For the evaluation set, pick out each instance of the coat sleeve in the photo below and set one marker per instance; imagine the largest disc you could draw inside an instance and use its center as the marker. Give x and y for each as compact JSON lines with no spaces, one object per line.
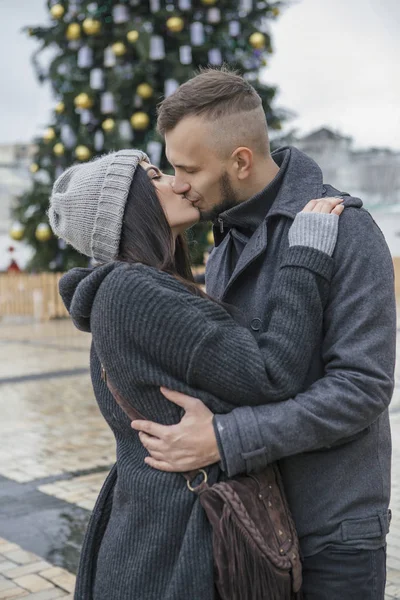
{"x":358,"y":352}
{"x":143,"y":324}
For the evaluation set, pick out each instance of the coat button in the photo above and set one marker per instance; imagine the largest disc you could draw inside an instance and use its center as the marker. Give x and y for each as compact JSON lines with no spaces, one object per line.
{"x":256,"y":324}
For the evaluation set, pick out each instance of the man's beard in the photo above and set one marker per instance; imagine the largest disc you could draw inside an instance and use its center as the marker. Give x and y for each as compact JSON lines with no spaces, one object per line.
{"x":229,"y":199}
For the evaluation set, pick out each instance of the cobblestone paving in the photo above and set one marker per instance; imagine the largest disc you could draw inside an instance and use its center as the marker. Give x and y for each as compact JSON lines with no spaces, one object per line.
{"x":26,"y":575}
{"x":55,"y":454}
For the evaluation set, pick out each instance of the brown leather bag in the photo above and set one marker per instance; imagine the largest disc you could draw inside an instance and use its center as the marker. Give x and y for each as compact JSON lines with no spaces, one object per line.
{"x":255,"y":544}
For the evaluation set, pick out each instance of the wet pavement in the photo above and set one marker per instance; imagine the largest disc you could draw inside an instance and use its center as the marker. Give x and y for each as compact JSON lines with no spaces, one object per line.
{"x":55,"y":453}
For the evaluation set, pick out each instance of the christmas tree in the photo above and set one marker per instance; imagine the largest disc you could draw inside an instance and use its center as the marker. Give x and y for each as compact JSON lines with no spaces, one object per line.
{"x":112,"y":62}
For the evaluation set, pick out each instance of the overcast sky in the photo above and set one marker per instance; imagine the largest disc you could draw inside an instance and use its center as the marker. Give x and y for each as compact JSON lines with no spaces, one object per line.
{"x":336,"y":64}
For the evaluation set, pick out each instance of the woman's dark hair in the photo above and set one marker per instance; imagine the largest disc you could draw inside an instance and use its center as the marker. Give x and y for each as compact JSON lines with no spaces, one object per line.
{"x":146,"y":236}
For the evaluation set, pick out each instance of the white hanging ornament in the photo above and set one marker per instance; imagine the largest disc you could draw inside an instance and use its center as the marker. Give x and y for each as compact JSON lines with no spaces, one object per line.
{"x":214,"y":15}
{"x":59,"y":171}
{"x":170,"y":86}
{"x":185,"y":4}
{"x":185,"y":55}
{"x":154,"y":150}
{"x":157,"y":48}
{"x":98,"y":140}
{"x":120,"y":14}
{"x":154,"y":6}
{"x":125,"y":130}
{"x":85,"y":57}
{"x":215,"y":57}
{"x":197,"y":33}
{"x":30,"y":211}
{"x":97,"y":79}
{"x":107,"y":103}
{"x":245,"y":6}
{"x":109,"y":57}
{"x":85,"y":117}
{"x":62,"y":69}
{"x":68,"y":136}
{"x":234,"y":28}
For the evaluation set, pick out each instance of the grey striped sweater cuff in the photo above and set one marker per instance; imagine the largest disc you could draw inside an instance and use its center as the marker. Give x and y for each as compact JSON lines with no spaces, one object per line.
{"x":315,"y":230}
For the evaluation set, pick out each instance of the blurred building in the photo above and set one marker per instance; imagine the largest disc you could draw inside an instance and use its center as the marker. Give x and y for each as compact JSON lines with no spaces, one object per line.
{"x":373,"y":175}
{"x":14,"y":180}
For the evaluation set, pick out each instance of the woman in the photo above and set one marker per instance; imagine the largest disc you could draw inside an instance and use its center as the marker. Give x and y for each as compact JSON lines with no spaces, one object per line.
{"x":148,"y":538}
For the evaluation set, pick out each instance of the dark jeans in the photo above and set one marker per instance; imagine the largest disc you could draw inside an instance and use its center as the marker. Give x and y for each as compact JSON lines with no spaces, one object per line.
{"x":344,"y":573}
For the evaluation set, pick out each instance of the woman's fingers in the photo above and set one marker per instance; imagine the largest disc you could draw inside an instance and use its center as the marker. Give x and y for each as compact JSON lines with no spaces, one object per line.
{"x":324,"y":205}
{"x":338,"y":210}
{"x":310,"y":206}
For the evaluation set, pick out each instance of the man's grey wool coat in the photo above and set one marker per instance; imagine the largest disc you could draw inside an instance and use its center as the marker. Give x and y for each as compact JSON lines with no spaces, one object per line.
{"x":332,"y":440}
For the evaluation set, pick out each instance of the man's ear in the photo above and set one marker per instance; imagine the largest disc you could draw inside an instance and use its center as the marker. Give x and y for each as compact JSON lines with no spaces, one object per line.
{"x":242,"y":159}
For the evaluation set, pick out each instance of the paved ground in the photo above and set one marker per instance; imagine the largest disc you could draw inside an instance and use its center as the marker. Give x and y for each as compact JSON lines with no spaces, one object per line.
{"x":55,"y":453}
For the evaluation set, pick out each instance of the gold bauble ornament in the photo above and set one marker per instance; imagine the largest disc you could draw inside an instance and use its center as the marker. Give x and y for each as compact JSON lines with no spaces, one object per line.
{"x":175,"y":24}
{"x":17,"y":232}
{"x":73,"y":31}
{"x":140,"y":120}
{"x":276,"y":12}
{"x":82,"y":153}
{"x":119,"y":48}
{"x":34,"y":168}
{"x":145,"y":91}
{"x":57,"y":11}
{"x":91,"y":26}
{"x":209,"y":2}
{"x":59,"y":149}
{"x":83,"y":101}
{"x":108,"y":124}
{"x":49,"y":134}
{"x":132,"y":36}
{"x":59,"y":108}
{"x":43,"y":232}
{"x":210,"y":238}
{"x":258,"y":40}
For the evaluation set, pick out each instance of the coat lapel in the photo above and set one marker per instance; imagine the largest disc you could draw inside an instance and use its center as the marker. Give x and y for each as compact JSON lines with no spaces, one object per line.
{"x":253,"y":249}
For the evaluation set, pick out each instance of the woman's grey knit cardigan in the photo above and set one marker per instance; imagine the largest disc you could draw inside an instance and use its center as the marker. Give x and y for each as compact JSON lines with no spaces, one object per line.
{"x":148,"y":538}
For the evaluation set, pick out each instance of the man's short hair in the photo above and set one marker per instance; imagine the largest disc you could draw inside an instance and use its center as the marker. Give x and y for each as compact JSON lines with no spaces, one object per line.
{"x":213,"y":93}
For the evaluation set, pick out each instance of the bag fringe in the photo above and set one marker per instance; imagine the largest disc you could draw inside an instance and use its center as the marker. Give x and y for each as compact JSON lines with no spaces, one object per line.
{"x":254,"y":576}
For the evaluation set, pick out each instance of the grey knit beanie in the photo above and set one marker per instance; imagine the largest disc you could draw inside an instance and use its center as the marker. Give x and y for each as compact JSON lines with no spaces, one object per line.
{"x":87,"y":203}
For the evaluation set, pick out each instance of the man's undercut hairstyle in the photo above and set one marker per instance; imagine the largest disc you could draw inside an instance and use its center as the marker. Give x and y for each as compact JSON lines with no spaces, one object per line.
{"x":216,"y":94}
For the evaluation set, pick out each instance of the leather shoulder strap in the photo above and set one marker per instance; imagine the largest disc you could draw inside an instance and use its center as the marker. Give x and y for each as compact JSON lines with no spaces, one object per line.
{"x":132,"y":413}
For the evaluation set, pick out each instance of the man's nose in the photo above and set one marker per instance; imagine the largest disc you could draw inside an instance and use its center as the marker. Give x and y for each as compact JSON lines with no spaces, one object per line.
{"x":180,"y":187}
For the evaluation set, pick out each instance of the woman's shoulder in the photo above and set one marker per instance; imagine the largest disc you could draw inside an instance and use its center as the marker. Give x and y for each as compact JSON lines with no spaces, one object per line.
{"x":136,"y":288}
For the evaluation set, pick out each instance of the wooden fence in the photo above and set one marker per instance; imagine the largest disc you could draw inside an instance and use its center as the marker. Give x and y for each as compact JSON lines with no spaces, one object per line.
{"x":36,"y":296}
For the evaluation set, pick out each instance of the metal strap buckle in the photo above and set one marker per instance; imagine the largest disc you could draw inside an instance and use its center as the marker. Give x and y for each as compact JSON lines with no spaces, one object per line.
{"x":205,"y":479}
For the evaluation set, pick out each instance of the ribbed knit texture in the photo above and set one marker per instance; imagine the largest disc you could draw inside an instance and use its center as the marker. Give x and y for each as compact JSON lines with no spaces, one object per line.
{"x":321,"y":236}
{"x":88,"y":202}
{"x":149,"y":330}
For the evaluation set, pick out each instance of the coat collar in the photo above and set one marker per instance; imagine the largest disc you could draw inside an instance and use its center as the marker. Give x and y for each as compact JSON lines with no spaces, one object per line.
{"x":302,"y":182}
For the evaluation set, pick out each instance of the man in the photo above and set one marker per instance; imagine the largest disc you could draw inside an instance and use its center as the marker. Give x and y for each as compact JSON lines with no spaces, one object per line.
{"x":332,"y":440}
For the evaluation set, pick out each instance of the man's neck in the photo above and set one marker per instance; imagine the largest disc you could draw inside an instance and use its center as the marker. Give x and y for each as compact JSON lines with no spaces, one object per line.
{"x":264,"y":172}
